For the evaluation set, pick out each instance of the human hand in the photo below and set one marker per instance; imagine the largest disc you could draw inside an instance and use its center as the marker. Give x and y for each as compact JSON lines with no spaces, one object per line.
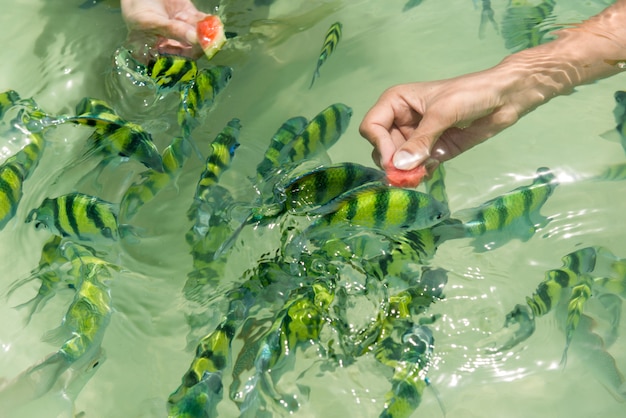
{"x":173,"y":21}
{"x":413,"y":123}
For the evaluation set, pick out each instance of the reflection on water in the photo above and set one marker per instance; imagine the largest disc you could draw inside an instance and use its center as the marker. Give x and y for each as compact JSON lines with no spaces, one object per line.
{"x":158,"y":319}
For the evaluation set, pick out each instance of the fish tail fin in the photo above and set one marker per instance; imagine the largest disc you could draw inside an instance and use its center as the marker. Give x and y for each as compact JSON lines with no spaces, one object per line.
{"x":34,"y":382}
{"x":315,"y":75}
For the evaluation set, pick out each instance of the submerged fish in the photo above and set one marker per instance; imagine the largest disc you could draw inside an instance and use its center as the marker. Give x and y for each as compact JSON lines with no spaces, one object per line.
{"x":382,"y":208}
{"x":486,"y":15}
{"x":81,"y":333}
{"x":512,"y":212}
{"x":13,"y":172}
{"x":199,"y":94}
{"x":318,"y":135}
{"x":116,"y":136}
{"x":7,"y":100}
{"x":333,"y":35}
{"x":222,"y":151}
{"x":284,"y":135}
{"x":152,"y":181}
{"x":78,"y":216}
{"x":317,"y":187}
{"x":411,"y":4}
{"x":170,"y":71}
{"x":525,"y":25}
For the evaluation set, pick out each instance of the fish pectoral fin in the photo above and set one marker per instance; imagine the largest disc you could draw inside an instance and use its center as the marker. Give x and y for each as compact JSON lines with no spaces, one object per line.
{"x":612,"y":135}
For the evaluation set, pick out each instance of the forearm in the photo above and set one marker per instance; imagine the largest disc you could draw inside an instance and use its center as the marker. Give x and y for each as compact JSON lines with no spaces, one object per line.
{"x":581,"y":54}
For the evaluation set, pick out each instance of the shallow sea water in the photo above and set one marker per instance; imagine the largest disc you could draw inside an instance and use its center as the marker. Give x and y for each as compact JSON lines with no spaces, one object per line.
{"x":58,"y":53}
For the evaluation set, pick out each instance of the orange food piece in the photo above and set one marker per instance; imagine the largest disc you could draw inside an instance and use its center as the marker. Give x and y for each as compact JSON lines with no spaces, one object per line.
{"x":405,"y":178}
{"x":211,"y":36}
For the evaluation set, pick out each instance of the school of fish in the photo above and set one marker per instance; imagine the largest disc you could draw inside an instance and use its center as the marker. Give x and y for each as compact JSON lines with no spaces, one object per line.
{"x":330,"y":218}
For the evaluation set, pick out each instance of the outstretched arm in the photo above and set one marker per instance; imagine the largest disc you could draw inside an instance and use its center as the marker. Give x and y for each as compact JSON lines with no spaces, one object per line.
{"x":441,"y":119}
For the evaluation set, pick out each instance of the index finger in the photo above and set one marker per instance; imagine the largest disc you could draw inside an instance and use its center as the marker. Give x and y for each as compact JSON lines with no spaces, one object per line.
{"x":376,"y":128}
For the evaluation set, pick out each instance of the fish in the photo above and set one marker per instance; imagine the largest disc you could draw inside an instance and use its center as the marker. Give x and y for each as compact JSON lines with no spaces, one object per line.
{"x":382,"y":208}
{"x":14,"y":172}
{"x":222,"y":152}
{"x":78,"y":216}
{"x":285,"y":134}
{"x":316,"y":188}
{"x":409,"y":379}
{"x":200,"y":94}
{"x":511,"y":212}
{"x":525,"y":25}
{"x":171,"y":71}
{"x":116,"y":136}
{"x":333,"y":35}
{"x":152,"y":182}
{"x":411,"y":4}
{"x":299,"y":322}
{"x":486,"y":15}
{"x":81,"y":333}
{"x":321,"y":133}
{"x":201,"y":387}
{"x":618,"y":134}
{"x":8,"y":99}
{"x":435,"y":184}
{"x":48,"y":273}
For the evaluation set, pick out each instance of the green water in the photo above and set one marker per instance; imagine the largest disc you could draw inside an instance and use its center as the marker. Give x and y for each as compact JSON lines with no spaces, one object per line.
{"x":58,"y":54}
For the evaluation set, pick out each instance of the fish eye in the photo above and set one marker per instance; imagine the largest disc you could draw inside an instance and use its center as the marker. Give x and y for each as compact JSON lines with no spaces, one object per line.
{"x":40,"y":225}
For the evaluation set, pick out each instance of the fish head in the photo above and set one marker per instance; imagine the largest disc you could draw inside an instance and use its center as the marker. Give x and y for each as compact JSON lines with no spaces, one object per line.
{"x":43,"y":216}
{"x":222,"y":74}
{"x":435,"y":212}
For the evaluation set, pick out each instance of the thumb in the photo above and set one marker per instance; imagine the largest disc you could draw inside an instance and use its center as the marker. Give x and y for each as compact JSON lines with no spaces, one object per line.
{"x":417,"y":148}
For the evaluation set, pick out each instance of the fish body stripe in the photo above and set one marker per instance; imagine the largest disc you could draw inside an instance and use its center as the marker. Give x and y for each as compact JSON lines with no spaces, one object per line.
{"x":285,"y":134}
{"x":320,"y":133}
{"x":11,"y":180}
{"x":169,"y":70}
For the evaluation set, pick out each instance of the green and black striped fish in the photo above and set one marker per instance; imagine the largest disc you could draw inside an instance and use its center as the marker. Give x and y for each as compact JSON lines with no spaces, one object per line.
{"x":77,"y":215}
{"x":8,"y":99}
{"x":512,"y":211}
{"x":321,"y":185}
{"x":152,"y":181}
{"x":168,"y":71}
{"x":525,"y":25}
{"x":319,"y":134}
{"x":199,"y":94}
{"x":382,"y":208}
{"x":116,"y":136}
{"x":333,"y":35}
{"x":13,"y":172}
{"x":222,"y":152}
{"x":285,"y":134}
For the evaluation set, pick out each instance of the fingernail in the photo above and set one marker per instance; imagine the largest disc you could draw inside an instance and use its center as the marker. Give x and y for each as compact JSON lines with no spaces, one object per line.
{"x":404,"y":160}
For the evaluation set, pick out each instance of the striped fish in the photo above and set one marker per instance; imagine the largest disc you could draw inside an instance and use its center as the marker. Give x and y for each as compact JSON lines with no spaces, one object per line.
{"x":199,"y":94}
{"x":316,"y":188}
{"x":169,"y":71}
{"x":116,"y":136}
{"x":486,"y":15}
{"x":222,"y":151}
{"x":201,"y":387}
{"x":81,"y":331}
{"x":8,"y":99}
{"x":333,"y":35}
{"x":525,"y":25}
{"x":152,"y":181}
{"x":285,"y":134}
{"x":512,"y":212}
{"x":319,"y":134}
{"x":382,"y":208}
{"x":78,"y":216}
{"x":13,"y":172}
